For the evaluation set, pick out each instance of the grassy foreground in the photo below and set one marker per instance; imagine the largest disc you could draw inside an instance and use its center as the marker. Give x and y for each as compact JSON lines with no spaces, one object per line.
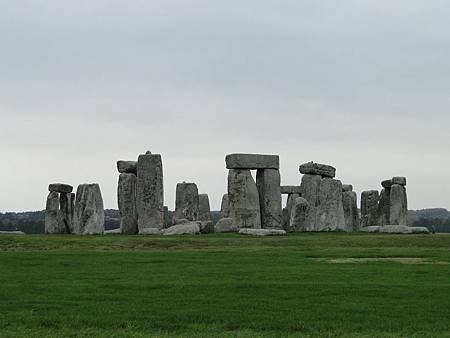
{"x":313,"y":285}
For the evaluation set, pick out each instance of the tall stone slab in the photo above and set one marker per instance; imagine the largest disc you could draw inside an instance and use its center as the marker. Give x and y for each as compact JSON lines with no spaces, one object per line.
{"x":225,"y":207}
{"x":399,"y":205}
{"x":384,"y":207}
{"x":204,"y":209}
{"x":350,"y":203}
{"x":186,"y":202}
{"x":66,"y":207}
{"x":243,"y":199}
{"x":299,"y":215}
{"x":150,"y":192}
{"x":268,"y":184}
{"x":369,"y":208}
{"x":126,"y":197}
{"x":330,"y":210}
{"x":52,"y":215}
{"x":310,"y":188}
{"x":89,"y":214}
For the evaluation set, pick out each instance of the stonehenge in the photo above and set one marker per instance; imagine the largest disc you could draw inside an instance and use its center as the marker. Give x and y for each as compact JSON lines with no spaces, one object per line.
{"x":268,"y":184}
{"x":204,"y":209}
{"x":369,"y":208}
{"x":126,"y":197}
{"x":350,"y":204}
{"x":186,"y":202}
{"x":299,"y":214}
{"x":59,"y":209}
{"x":225,"y":207}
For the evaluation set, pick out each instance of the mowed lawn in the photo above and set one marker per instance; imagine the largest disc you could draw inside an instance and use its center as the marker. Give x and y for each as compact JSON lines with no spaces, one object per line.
{"x":302,"y":285}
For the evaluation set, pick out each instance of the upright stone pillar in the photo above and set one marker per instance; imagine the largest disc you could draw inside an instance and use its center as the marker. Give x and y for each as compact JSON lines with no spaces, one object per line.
{"x":186,"y":202}
{"x":330,"y":210}
{"x":126,"y":196}
{"x":89,"y":214}
{"x":369,"y":208}
{"x":299,"y":215}
{"x":244,"y":199}
{"x":150,"y":192}
{"x":349,"y":201}
{"x":310,"y":191}
{"x":66,"y":205}
{"x":225,"y":207}
{"x":204,"y":209}
{"x":399,"y":205}
{"x":268,"y":183}
{"x":52,"y":216}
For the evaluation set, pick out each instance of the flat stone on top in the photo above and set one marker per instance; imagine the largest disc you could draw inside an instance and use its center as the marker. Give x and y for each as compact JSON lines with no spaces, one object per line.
{"x":252,"y":161}
{"x":347,"y":187}
{"x":290,"y":189}
{"x":399,"y":180}
{"x":127,"y":167}
{"x":323,"y":170}
{"x":387,"y":184}
{"x":60,"y":187}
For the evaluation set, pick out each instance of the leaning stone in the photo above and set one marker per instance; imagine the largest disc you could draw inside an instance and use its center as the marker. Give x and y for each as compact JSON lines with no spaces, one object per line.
{"x":330,"y":210}
{"x":89,"y":214}
{"x":262,"y":232}
{"x":290,"y":189}
{"x":347,"y":187}
{"x":126,"y":196}
{"x":373,"y":228}
{"x":387,"y":184}
{"x":60,"y":187}
{"x":127,"y":167}
{"x":369,"y":208}
{"x":204,"y":210}
{"x":150,"y":192}
{"x":206,"y":227}
{"x":384,"y":207}
{"x":191,"y":228}
{"x":299,"y":215}
{"x":349,"y":201}
{"x":244,"y":199}
{"x":52,"y":215}
{"x":310,"y":191}
{"x":399,"y":180}
{"x":268,"y":183}
{"x":150,"y":231}
{"x":323,"y":170}
{"x":66,"y":207}
{"x":252,"y":161}
{"x":225,"y":225}
{"x":398,"y":205}
{"x":186,"y":202}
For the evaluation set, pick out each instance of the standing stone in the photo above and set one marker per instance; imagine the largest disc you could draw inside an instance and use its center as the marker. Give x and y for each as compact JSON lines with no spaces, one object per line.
{"x":52,"y":216}
{"x":150,"y":192}
{"x":286,"y":219}
{"x":399,"y":205}
{"x":126,"y":196}
{"x":310,"y":191}
{"x":384,"y":207}
{"x":167,"y":218}
{"x":243,"y":199}
{"x":299,"y":215}
{"x":349,"y":201}
{"x":204,"y":210}
{"x":330,"y":210}
{"x":89,"y":215}
{"x":66,"y":206}
{"x":268,"y":183}
{"x":186,"y":202}
{"x":369,"y":208}
{"x":289,"y":205}
{"x":225,"y":207}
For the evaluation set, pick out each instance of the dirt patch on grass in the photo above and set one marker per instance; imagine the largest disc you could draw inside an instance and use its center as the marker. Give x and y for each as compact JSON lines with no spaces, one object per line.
{"x":402,"y":260}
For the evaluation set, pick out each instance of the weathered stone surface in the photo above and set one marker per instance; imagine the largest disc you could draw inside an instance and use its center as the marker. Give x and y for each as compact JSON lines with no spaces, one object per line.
{"x":187,"y":201}
{"x":399,"y":180}
{"x":403,"y":229}
{"x":299,"y":215}
{"x":127,"y":167}
{"x":323,"y":170}
{"x":60,"y":187}
{"x":113,"y":232}
{"x":350,"y":203}
{"x":225,"y":207}
{"x":126,"y":196}
{"x":191,"y":228}
{"x":252,"y":161}
{"x":204,"y":210}
{"x":66,"y":207}
{"x":167,"y":218}
{"x":243,"y":199}
{"x":89,"y":215}
{"x":12,"y":232}
{"x":384,"y":207}
{"x":399,"y":205}
{"x":206,"y":227}
{"x":387,"y":184}
{"x":52,"y":215}
{"x":180,"y":221}
{"x":262,"y":232}
{"x":225,"y":225}
{"x":372,"y":228}
{"x":310,"y":191}
{"x":289,"y":206}
{"x":150,"y":192}
{"x":369,"y":208}
{"x":150,"y":231}
{"x":330,"y":210}
{"x":268,"y":183}
{"x":290,"y":189}
{"x":347,"y":187}
{"x":286,"y":219}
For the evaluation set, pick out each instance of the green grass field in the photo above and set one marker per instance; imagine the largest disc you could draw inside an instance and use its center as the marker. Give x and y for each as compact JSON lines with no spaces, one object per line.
{"x":303,"y":285}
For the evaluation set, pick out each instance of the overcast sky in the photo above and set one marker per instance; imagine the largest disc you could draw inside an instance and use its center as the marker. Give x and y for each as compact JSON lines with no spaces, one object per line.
{"x":362,"y":85}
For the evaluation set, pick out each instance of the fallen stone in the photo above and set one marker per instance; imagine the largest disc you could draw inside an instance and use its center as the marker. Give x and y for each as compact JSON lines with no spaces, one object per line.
{"x":150,"y":231}
{"x":349,"y":201}
{"x":290,"y":189}
{"x":384,"y":207}
{"x":252,"y":161}
{"x":204,"y":210}
{"x":186,"y":201}
{"x":323,"y":170}
{"x":398,"y":205}
{"x":299,"y":215}
{"x":191,"y":228}
{"x":372,"y":228}
{"x":60,"y":187}
{"x":310,"y":191}
{"x":347,"y":187}
{"x":268,"y":184}
{"x":52,"y":215}
{"x":12,"y":233}
{"x":150,"y":192}
{"x":330,"y":210}
{"x":126,"y":196}
{"x":387,"y":184}
{"x":403,"y":229}
{"x":243,"y":199}
{"x":399,"y":180}
{"x":262,"y":232}
{"x":369,"y":208}
{"x":225,"y":225}
{"x":177,"y":221}
{"x":66,"y":207}
{"x":117,"y":231}
{"x":225,"y":207}
{"x":127,"y":167}
{"x":206,"y":227}
{"x":89,"y":214}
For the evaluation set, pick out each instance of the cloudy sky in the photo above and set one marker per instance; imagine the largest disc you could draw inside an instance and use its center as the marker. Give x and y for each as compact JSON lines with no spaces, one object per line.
{"x":362,"y":85}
